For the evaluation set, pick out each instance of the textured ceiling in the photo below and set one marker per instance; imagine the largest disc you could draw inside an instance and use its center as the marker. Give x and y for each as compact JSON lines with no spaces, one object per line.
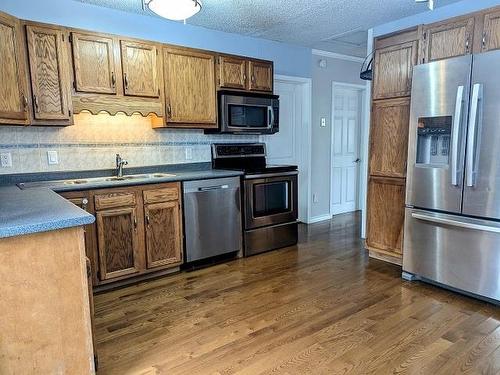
{"x":332,"y":25}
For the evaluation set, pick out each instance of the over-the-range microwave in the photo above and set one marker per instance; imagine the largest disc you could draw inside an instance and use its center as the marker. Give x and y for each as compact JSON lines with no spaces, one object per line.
{"x":247,"y":113}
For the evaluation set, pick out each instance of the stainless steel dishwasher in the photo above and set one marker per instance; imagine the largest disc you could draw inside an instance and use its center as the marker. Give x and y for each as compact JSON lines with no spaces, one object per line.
{"x":212,"y":217}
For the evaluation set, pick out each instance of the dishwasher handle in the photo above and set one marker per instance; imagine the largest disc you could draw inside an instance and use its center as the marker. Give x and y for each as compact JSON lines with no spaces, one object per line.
{"x":216,"y":187}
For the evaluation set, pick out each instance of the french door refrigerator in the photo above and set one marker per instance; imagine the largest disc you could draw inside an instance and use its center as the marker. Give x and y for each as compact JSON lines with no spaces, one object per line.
{"x":452,"y":214}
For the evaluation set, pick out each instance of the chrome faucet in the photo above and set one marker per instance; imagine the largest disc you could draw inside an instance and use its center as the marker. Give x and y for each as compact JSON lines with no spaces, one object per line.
{"x":119,"y":165}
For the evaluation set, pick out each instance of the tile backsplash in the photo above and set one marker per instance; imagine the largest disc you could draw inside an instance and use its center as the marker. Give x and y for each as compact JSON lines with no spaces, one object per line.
{"x":94,"y":140}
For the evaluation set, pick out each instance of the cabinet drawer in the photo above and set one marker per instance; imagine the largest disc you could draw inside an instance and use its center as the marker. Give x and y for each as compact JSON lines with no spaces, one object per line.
{"x":161,"y":195}
{"x":111,"y":200}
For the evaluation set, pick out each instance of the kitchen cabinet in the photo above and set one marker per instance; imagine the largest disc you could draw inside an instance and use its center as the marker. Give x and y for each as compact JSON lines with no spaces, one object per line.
{"x":261,"y":76}
{"x":389,"y":137}
{"x":118,"y":242}
{"x":393,"y":70}
{"x":49,"y":75}
{"x":386,"y":203}
{"x":13,"y":83}
{"x":163,"y":243}
{"x":447,"y":39}
{"x":190,"y":91}
{"x":94,"y":63}
{"x":232,"y":72}
{"x":491,"y":31}
{"x":140,"y":69}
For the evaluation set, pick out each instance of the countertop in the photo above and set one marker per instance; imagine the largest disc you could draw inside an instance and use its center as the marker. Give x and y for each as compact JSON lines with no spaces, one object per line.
{"x":41,"y":209}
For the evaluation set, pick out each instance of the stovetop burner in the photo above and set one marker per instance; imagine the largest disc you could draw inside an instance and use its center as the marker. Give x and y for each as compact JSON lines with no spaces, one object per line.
{"x":247,"y":157}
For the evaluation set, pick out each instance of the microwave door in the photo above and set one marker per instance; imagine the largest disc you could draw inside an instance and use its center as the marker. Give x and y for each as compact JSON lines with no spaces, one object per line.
{"x":482,"y":177}
{"x":436,"y":148}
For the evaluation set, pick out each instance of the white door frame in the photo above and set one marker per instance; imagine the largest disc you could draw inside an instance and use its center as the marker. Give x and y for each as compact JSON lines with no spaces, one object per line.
{"x":362,"y":126}
{"x":304,"y":162}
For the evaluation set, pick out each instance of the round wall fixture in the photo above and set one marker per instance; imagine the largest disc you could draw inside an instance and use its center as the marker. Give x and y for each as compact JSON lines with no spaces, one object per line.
{"x":176,"y":10}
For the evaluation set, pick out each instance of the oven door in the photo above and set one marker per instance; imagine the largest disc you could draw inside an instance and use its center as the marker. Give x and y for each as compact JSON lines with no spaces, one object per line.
{"x":270,"y":199}
{"x":249,"y":114}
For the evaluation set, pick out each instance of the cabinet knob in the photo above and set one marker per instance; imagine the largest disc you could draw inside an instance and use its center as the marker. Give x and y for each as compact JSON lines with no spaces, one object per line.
{"x":85,"y":202}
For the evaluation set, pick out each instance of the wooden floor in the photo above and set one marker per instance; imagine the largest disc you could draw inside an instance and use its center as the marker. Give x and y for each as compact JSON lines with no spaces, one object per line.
{"x":322,"y":307}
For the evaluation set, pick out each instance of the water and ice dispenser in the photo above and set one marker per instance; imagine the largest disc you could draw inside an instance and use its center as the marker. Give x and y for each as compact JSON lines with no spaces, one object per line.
{"x":433,"y":140}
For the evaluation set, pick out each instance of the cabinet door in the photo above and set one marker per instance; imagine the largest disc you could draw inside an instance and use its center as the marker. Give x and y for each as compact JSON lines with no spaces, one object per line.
{"x":48,"y":71}
{"x":447,"y":39}
{"x":393,"y":70}
{"x":232,"y":72}
{"x":140,"y":69}
{"x":385,"y":220}
{"x":117,"y":242}
{"x":163,"y":234}
{"x":491,"y":32}
{"x":261,"y":76}
{"x":13,"y":99}
{"x":389,"y":137}
{"x":94,"y":64}
{"x":190,"y":87}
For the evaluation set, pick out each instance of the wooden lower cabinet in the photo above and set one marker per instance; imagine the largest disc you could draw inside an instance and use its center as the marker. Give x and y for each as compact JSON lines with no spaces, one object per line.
{"x":118,"y":242}
{"x":386,"y":204}
{"x":138,"y":230}
{"x":163,"y":241}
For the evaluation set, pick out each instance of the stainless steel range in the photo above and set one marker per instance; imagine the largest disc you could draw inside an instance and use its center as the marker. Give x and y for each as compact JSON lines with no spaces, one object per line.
{"x":269,"y":194}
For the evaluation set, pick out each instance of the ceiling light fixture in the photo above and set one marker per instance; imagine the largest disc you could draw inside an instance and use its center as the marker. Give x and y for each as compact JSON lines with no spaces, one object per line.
{"x":176,"y":10}
{"x":430,"y":3}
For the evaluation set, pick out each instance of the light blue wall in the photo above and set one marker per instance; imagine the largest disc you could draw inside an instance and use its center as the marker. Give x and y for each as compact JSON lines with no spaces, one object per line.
{"x":288,"y":59}
{"x":438,"y":14}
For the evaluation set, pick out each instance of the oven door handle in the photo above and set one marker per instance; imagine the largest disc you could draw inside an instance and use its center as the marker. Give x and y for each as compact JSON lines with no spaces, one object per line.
{"x":266,"y":175}
{"x":270,"y":117}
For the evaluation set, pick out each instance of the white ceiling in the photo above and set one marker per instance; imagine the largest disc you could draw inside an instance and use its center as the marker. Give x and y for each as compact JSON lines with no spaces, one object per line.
{"x":332,"y":25}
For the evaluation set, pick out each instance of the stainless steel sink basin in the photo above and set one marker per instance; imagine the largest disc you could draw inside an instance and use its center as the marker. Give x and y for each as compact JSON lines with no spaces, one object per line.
{"x":94,"y":180}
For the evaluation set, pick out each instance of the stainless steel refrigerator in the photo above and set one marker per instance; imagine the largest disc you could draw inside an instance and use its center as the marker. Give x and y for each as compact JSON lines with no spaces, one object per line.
{"x":452,"y":215}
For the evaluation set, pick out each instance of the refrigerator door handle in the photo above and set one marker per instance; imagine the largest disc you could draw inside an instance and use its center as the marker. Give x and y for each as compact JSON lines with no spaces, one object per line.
{"x":455,"y":223}
{"x":457,"y":120}
{"x":472,"y":135}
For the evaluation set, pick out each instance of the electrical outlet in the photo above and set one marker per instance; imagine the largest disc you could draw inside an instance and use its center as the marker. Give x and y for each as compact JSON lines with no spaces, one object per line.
{"x":323,"y":122}
{"x":189,"y":153}
{"x":6,"y":160}
{"x":315,"y":198}
{"x":52,"y":157}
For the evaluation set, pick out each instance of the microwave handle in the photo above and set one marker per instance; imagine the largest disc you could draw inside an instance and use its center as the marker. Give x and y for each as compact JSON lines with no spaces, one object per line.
{"x":270,"y":119}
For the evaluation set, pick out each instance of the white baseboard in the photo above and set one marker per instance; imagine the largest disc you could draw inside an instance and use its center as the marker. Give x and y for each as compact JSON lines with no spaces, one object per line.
{"x":317,"y":219}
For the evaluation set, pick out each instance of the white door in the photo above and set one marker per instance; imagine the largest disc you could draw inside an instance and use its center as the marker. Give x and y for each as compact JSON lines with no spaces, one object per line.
{"x":346,"y":108}
{"x":290,"y":143}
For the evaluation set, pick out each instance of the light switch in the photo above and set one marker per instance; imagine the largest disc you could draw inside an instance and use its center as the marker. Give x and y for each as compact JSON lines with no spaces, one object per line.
{"x":189,"y":153}
{"x":6,"y":160}
{"x":315,"y":198}
{"x":323,"y":122}
{"x":52,"y":157}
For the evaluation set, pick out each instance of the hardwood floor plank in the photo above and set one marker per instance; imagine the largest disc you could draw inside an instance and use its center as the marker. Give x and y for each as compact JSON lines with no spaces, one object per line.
{"x":321,"y":307}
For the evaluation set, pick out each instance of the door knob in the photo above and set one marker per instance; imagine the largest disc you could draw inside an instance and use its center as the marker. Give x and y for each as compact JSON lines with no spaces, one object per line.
{"x":357,"y":160}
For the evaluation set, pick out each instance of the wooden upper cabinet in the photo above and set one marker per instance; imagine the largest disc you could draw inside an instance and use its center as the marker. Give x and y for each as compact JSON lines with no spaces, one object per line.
{"x":13,"y":87}
{"x":447,"y":39}
{"x":49,"y":74}
{"x":94,"y":64}
{"x":140,"y":66}
{"x":190,"y":87}
{"x":261,"y":75}
{"x":232,"y":72}
{"x":491,"y":31}
{"x":389,"y":137}
{"x":393,"y":70}
{"x":163,"y":234}
{"x":118,"y":242}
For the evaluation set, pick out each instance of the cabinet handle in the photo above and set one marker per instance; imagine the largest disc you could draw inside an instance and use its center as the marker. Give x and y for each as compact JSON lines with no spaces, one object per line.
{"x":253,"y":78}
{"x":25,"y":101}
{"x":483,"y":41}
{"x":85,"y":201}
{"x":244,"y":77}
{"x":113,"y":79}
{"x":467,"y":44}
{"x":147,"y":220}
{"x":125,"y":79}
{"x":35,"y":101}
{"x":135,"y":222}
{"x":169,"y":110}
